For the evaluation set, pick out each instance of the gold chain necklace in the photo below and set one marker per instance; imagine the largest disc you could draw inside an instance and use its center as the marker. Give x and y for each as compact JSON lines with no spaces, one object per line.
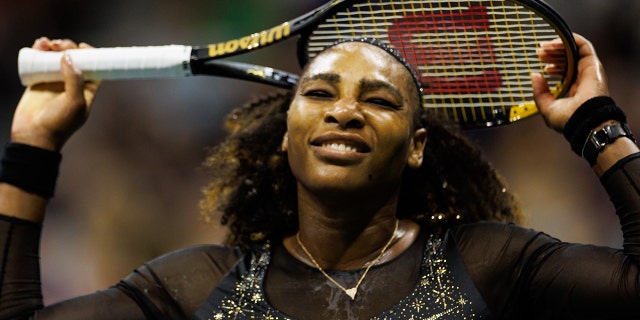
{"x":351,"y":292}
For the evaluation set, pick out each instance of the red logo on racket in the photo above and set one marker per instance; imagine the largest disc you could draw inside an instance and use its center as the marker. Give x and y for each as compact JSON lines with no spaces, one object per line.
{"x":463,"y":59}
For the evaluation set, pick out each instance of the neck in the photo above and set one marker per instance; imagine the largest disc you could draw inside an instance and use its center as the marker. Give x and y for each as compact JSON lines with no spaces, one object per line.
{"x":348,"y":235}
{"x":337,"y":250}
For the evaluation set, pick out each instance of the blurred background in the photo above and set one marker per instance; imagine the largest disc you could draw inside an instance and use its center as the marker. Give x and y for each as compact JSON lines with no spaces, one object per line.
{"x":130,"y":180}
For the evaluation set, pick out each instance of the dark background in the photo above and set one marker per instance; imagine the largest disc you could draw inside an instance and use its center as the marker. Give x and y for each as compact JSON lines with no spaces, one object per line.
{"x":130,"y":182}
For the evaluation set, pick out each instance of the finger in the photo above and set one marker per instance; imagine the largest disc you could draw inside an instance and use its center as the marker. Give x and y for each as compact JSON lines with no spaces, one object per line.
{"x":91,"y":87}
{"x":541,"y":93}
{"x":63,"y":44}
{"x":555,"y":69}
{"x":580,"y":40}
{"x":84,"y":45}
{"x":585,"y":47}
{"x":553,"y":54}
{"x":553,"y":50}
{"x":591,"y":78}
{"x":46,"y":44}
{"x":552,"y":57}
{"x":73,"y":81}
{"x":555,"y":45}
{"x":557,"y":42}
{"x":42,"y":43}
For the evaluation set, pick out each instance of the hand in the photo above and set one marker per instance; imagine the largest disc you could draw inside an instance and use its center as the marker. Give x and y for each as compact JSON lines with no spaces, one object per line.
{"x":590,"y":82}
{"x":49,"y":113}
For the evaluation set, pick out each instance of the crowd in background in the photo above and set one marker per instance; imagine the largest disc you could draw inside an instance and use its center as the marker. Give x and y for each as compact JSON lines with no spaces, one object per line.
{"x":130,"y":182}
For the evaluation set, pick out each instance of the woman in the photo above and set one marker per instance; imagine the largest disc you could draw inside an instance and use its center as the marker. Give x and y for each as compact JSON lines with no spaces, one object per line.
{"x":339,"y":234}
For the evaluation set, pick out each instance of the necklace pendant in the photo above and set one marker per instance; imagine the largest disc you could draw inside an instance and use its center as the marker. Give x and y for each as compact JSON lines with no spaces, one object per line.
{"x":351,"y":293}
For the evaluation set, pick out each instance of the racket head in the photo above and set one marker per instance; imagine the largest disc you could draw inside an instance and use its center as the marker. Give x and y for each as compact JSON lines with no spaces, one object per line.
{"x":474,"y":58}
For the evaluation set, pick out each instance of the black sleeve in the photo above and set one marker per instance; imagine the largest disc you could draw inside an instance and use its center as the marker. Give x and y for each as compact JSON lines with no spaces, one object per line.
{"x":622,"y":183}
{"x":169,"y":287}
{"x":525,"y":274}
{"x":19,"y":267}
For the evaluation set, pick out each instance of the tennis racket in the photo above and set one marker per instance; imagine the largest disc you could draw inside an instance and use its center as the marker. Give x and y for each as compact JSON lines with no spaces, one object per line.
{"x":474,"y":57}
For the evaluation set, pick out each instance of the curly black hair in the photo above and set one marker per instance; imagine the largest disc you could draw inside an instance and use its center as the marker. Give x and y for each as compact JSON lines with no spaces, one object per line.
{"x":253,"y":191}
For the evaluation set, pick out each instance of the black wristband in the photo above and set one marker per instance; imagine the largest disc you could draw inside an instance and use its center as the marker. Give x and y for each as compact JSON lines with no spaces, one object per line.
{"x":29,"y":168}
{"x":589,"y":115}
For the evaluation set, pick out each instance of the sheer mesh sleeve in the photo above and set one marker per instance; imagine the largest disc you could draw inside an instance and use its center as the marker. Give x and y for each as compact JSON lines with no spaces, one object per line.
{"x":19,"y":267}
{"x":524,"y":274}
{"x":169,"y":287}
{"x":622,"y":183}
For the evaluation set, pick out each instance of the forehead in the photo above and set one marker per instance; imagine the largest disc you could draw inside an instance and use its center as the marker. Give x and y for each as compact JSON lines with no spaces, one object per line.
{"x":357,"y":58}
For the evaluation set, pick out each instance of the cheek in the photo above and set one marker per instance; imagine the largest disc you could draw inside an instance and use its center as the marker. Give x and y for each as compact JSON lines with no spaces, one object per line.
{"x":396,"y":145}
{"x":392,"y":131}
{"x":300,"y":115}
{"x":296,"y":142}
{"x":297,"y":129}
{"x":302,"y":121}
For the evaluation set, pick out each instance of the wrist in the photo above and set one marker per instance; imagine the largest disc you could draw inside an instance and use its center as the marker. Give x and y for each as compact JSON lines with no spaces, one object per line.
{"x":591,"y":114}
{"x":602,"y":137}
{"x":40,"y":141}
{"x":32,"y":169}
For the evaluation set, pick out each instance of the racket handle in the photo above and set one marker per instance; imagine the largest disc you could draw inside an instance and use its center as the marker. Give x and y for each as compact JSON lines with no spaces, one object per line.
{"x":171,"y":61}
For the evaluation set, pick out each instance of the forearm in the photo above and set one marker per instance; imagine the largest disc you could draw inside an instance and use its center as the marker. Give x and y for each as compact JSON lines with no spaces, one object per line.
{"x":616,"y":151}
{"x":20,"y":204}
{"x":622,"y":183}
{"x":20,"y":290}
{"x":27,"y":180}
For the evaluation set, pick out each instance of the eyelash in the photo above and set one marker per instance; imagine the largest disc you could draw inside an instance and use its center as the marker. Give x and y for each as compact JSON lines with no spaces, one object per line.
{"x":383,"y":102}
{"x":317,"y":93}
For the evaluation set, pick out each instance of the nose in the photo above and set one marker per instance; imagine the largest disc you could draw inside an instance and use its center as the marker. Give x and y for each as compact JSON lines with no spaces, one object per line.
{"x":346,"y":114}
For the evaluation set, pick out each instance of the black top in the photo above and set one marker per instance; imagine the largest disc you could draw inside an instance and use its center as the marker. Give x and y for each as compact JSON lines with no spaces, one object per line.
{"x":428,"y":279}
{"x":518,"y":273}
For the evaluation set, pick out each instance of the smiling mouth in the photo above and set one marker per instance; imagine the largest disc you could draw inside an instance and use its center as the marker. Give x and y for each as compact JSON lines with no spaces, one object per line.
{"x":340,"y":147}
{"x":341,"y":144}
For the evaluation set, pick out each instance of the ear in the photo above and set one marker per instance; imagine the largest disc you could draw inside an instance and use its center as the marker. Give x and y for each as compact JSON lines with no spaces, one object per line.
{"x":417,"y":149}
{"x":285,"y":142}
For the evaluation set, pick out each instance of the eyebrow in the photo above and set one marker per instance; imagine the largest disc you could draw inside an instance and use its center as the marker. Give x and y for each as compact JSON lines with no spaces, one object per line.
{"x":371,"y":85}
{"x":329,"y":77}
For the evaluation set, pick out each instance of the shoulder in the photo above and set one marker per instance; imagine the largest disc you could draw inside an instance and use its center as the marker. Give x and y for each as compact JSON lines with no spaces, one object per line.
{"x":495,"y":254}
{"x":484,"y":242}
{"x":493,"y":233}
{"x":182,"y":278}
{"x":215,"y":258}
{"x":187,"y":266}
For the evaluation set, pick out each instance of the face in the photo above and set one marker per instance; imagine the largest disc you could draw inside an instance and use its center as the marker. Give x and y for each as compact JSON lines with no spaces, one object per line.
{"x":350,"y":126}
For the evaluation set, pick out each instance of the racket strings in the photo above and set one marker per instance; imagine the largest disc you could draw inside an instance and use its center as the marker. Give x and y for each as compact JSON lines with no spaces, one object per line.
{"x":473,"y":57}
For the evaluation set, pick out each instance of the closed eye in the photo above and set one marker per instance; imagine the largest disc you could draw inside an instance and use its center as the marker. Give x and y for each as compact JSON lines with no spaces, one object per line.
{"x":317,"y":94}
{"x":383,"y":102}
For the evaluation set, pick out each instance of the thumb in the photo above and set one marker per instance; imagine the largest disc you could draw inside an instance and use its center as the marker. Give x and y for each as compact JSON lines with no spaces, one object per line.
{"x":73,"y":82}
{"x":541,"y":93}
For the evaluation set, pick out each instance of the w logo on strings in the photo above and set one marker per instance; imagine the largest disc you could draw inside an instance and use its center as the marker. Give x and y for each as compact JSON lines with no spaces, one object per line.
{"x":462,"y":63}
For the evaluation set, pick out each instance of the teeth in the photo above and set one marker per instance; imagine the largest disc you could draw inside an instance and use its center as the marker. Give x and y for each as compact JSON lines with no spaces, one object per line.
{"x":340,"y":146}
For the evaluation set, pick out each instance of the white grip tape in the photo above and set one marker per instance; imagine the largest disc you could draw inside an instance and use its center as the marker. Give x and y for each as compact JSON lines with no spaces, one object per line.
{"x":171,"y":61}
